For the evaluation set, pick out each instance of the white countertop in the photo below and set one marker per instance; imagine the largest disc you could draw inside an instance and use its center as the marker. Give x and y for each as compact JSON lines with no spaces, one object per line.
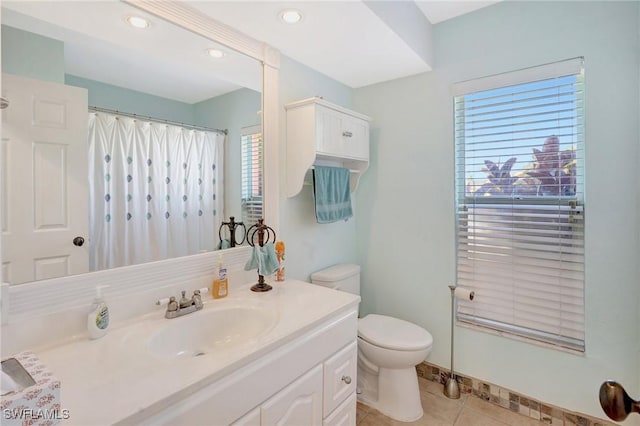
{"x":107,"y":380}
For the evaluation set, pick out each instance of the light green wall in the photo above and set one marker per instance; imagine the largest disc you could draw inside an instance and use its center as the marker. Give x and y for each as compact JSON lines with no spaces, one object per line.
{"x":120,"y":99}
{"x":411,"y":179}
{"x":310,"y":246}
{"x":31,"y":55}
{"x":232,"y":111}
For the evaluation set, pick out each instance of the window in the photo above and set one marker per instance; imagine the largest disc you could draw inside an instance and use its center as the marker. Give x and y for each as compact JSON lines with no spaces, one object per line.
{"x":519,"y":140}
{"x":252,"y":153}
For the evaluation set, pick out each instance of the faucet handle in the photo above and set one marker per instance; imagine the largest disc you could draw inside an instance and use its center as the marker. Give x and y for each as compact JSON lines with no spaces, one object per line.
{"x":197,"y":299}
{"x":172,"y":305}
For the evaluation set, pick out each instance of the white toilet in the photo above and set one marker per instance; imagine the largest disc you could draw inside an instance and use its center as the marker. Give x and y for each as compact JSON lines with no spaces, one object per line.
{"x":388,"y":351}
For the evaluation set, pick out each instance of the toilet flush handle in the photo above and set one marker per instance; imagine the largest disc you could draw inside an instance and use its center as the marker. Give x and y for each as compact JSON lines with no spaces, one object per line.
{"x":346,"y":379}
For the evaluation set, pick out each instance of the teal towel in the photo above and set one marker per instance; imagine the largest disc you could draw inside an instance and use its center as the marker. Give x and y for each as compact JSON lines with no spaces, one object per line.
{"x":224,"y":244}
{"x":332,"y":192}
{"x":264,"y":258}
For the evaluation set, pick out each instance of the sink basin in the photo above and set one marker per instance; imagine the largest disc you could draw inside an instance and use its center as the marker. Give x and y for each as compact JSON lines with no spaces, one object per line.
{"x":211,"y":329}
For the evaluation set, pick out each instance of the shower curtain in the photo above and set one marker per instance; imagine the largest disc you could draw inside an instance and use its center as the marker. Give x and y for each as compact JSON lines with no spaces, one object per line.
{"x":156,"y":190}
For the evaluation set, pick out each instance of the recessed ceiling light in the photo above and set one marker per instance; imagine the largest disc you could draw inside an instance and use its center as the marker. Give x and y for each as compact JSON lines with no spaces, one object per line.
{"x":138,"y":22}
{"x":291,"y":16}
{"x":215,"y":53}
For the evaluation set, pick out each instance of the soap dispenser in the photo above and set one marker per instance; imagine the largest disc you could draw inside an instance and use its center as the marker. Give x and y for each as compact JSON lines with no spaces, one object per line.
{"x":220,"y":287}
{"x":98,"y":317}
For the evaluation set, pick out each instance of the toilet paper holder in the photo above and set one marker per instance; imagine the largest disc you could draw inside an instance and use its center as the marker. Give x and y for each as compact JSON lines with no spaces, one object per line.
{"x":451,"y":387}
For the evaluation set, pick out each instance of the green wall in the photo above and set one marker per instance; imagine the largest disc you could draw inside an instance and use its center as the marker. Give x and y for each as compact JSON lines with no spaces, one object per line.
{"x":311,"y":246}
{"x":231,"y":111}
{"x":411,"y":178}
{"x":120,"y":99}
{"x":31,"y":55}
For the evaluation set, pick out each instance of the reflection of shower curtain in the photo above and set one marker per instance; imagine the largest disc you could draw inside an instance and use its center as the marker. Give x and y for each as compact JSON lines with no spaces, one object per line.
{"x":156,"y":190}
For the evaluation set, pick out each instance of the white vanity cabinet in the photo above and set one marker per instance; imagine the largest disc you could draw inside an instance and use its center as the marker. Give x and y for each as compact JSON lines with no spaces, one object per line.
{"x":309,"y":381}
{"x":325,"y":395}
{"x":322,"y":133}
{"x":300,"y":403}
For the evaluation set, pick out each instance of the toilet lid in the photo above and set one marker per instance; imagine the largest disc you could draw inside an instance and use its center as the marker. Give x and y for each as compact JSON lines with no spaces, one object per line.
{"x":393,"y":333}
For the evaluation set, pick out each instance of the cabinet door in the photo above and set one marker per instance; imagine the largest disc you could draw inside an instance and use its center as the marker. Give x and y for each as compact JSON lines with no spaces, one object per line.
{"x":340,"y":376}
{"x":329,"y":140}
{"x":341,"y":135}
{"x":300,"y":403}
{"x":354,"y":137}
{"x":344,"y":415}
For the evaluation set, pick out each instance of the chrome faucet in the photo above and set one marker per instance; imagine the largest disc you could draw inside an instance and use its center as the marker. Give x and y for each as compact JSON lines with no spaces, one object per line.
{"x":185,"y":306}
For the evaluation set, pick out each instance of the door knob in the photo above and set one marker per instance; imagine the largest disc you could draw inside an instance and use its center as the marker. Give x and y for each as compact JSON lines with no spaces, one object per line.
{"x":78,"y":241}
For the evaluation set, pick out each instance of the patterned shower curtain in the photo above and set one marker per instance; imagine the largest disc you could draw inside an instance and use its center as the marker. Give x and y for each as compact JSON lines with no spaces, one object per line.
{"x":156,"y":190}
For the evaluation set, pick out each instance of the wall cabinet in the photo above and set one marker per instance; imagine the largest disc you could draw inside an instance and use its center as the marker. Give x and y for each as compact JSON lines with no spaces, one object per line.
{"x":322,"y":133}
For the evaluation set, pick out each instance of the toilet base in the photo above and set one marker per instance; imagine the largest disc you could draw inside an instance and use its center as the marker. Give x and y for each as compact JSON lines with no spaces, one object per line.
{"x":393,"y":392}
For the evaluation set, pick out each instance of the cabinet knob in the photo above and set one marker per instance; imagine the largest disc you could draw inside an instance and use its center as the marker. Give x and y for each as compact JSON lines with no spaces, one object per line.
{"x":346,"y":379}
{"x":347,"y":134}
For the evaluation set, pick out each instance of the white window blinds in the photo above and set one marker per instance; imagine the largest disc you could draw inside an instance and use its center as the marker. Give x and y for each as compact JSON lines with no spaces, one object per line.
{"x":252,"y":154}
{"x":520,"y":188}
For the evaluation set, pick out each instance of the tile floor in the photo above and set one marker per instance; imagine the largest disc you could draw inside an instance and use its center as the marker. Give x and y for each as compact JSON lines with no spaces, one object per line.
{"x":442,"y":411}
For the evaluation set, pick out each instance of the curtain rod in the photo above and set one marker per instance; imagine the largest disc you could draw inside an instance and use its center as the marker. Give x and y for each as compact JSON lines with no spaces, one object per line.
{"x":158,"y":120}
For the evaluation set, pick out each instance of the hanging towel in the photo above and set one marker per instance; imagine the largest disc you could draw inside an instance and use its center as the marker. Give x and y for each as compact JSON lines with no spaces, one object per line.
{"x":224,"y":244}
{"x":332,"y":192}
{"x":264,"y":258}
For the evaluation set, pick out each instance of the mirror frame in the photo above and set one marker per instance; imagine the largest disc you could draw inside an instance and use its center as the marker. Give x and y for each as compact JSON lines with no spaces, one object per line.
{"x":22,"y":301}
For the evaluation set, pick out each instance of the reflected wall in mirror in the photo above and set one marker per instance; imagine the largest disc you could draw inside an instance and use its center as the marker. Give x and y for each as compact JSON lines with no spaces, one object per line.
{"x":87,"y":188}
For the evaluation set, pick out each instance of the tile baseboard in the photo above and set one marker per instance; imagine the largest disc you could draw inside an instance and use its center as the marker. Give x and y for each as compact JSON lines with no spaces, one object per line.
{"x":513,"y":401}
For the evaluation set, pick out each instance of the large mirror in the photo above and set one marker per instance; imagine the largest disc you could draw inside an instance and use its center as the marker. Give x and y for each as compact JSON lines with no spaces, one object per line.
{"x":121,"y":145}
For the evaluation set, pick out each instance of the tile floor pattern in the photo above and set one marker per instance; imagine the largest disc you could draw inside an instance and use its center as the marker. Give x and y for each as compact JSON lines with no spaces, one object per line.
{"x":442,"y":411}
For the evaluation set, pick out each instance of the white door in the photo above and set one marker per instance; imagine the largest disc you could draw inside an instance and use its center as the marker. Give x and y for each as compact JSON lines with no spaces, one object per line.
{"x":300,"y":403}
{"x":45,"y":197}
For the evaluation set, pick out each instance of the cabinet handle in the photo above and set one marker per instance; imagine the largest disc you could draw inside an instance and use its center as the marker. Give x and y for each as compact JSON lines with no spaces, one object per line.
{"x":347,"y":134}
{"x":346,"y":379}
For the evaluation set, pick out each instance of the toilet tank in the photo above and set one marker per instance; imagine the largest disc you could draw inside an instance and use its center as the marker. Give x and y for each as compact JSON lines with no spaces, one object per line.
{"x":343,"y":277}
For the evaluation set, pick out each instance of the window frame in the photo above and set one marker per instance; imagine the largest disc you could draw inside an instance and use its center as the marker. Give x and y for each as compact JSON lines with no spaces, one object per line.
{"x":574,"y":202}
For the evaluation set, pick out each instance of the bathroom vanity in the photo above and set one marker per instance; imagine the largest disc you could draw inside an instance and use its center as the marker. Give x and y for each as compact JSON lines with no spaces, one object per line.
{"x":287,"y":356}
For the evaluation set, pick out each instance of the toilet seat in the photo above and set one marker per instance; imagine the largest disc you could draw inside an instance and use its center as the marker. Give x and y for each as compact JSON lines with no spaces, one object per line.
{"x":393,"y":333}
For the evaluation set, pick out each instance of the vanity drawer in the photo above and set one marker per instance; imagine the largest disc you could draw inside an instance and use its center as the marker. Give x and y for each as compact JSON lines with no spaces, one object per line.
{"x":344,"y":415}
{"x":340,"y":377}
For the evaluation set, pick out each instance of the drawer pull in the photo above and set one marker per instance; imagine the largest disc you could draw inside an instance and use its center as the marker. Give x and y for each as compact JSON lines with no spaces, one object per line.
{"x":347,"y":134}
{"x":346,"y":379}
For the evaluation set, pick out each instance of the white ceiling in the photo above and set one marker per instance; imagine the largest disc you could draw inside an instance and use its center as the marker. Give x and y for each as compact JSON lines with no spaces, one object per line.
{"x":345,"y":40}
{"x":342,"y":39}
{"x":438,"y":11}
